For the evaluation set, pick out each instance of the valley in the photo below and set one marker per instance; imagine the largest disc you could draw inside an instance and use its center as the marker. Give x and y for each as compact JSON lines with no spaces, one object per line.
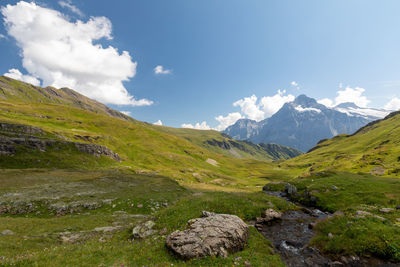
{"x":84,"y":185}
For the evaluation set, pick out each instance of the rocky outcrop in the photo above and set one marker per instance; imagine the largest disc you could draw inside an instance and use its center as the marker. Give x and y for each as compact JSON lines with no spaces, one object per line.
{"x":20,"y":128}
{"x":97,"y":150}
{"x":15,"y":136}
{"x":212,"y":235}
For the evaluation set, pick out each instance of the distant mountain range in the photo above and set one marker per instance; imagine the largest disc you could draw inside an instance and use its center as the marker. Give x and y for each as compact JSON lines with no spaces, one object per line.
{"x":303,"y":122}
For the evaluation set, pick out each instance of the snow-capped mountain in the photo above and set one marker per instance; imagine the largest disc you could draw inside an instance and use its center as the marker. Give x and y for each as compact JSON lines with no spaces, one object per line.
{"x":302,"y":123}
{"x":352,"y":109}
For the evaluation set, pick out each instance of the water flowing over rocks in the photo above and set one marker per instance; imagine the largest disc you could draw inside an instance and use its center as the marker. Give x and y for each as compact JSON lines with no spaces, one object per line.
{"x":212,"y":235}
{"x":292,"y":232}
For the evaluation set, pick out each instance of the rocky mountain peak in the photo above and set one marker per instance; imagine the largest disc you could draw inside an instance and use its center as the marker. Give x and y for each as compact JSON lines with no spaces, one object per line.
{"x":305,"y":101}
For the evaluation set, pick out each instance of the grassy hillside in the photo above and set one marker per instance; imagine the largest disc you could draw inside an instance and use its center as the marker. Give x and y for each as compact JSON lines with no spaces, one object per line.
{"x":188,"y":156}
{"x":373,"y":149}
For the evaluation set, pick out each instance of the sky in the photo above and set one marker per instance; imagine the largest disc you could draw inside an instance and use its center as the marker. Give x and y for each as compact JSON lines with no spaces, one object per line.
{"x":206,"y":64}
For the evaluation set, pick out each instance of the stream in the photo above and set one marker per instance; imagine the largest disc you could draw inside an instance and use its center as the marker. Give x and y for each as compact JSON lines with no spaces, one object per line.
{"x":292,"y":234}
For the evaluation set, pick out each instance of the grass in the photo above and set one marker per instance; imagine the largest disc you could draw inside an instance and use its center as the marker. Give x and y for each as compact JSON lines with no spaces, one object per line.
{"x":36,"y":241}
{"x":375,"y":150}
{"x":349,"y":193}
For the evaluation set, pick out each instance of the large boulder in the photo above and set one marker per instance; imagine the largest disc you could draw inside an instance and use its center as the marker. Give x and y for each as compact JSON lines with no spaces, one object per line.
{"x":212,"y":235}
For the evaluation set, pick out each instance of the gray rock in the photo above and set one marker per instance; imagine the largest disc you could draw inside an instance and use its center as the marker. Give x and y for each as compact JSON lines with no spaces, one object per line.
{"x":7,"y":232}
{"x":386,"y":210}
{"x":107,"y":229}
{"x":335,"y":188}
{"x":211,"y":235}
{"x":290,"y":189}
{"x":143,"y":230}
{"x":269,"y":215}
{"x":67,"y":237}
{"x":363,"y":214}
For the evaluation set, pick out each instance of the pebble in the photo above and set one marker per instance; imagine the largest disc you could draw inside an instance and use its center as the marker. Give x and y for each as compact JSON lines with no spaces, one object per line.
{"x":7,"y":232}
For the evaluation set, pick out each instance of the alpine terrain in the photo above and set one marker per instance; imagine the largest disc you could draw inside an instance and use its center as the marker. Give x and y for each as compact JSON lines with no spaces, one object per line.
{"x":302,"y":123}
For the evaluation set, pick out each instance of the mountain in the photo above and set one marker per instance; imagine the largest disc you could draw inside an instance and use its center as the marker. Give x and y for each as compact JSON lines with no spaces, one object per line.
{"x":374,"y":148}
{"x":352,"y":109}
{"x":303,"y":122}
{"x":43,"y":127}
{"x":13,"y":90}
{"x":244,"y":129}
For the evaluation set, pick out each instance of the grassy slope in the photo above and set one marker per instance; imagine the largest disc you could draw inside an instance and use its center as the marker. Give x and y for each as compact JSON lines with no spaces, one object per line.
{"x":374,"y":149}
{"x":177,"y":153}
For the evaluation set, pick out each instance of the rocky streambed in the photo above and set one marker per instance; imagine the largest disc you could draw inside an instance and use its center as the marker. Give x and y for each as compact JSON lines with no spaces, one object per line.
{"x":292,"y":231}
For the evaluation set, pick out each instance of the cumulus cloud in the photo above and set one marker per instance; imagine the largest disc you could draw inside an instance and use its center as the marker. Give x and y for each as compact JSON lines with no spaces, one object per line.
{"x":127,"y":113}
{"x":198,"y":126}
{"x":271,"y":104}
{"x":63,"y":54}
{"x":353,"y":95}
{"x":160,"y":70}
{"x":2,"y":36}
{"x":228,"y":120}
{"x":265,"y":108}
{"x":393,"y":104}
{"x":250,"y":108}
{"x":17,"y":75}
{"x":326,"y":102}
{"x":159,"y":122}
{"x":68,"y":4}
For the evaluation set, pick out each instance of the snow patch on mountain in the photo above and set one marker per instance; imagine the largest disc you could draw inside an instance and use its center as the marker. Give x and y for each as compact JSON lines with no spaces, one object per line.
{"x":301,"y":109}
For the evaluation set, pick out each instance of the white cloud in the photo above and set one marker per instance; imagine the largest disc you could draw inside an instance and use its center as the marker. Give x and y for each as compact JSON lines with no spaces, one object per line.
{"x":229,"y":120}
{"x":265,"y":108}
{"x":294,"y":83}
{"x":250,"y":108}
{"x":63,"y":54}
{"x":17,"y":75}
{"x":393,"y":104}
{"x":159,"y":122}
{"x":127,"y":113}
{"x":353,"y":95}
{"x":271,"y":104}
{"x":2,"y":36}
{"x":160,"y":70}
{"x":68,"y":4}
{"x":326,"y":102}
{"x":197,"y":126}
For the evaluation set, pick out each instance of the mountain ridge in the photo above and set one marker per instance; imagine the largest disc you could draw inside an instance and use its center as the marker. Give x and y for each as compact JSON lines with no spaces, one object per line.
{"x":303,"y":122}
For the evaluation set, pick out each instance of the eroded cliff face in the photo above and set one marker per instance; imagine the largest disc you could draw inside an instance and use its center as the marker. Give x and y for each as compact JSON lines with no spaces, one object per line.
{"x":16,"y":137}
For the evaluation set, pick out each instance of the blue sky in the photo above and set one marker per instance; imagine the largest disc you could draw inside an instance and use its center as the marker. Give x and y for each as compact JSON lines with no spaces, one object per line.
{"x":222,"y":51}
